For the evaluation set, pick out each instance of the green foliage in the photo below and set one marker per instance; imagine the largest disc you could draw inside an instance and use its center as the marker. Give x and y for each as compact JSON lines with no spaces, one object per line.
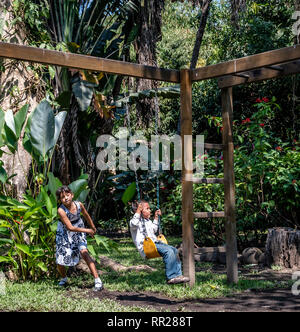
{"x":98,"y":244}
{"x":27,"y":230}
{"x":174,"y":51}
{"x":44,"y":130}
{"x":267,"y":181}
{"x":129,"y":193}
{"x":34,"y":15}
{"x":11,"y":127}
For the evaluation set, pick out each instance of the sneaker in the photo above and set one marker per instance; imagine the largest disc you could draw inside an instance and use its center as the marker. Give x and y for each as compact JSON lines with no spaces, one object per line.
{"x":63,"y":282}
{"x":98,"y":287}
{"x":178,"y":280}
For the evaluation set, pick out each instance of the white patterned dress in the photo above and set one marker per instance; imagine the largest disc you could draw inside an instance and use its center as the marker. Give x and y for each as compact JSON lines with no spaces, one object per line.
{"x":67,"y":242}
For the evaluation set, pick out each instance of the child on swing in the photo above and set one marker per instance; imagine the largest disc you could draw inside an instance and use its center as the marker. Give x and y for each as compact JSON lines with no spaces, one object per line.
{"x":140,"y":227}
{"x":71,"y":236}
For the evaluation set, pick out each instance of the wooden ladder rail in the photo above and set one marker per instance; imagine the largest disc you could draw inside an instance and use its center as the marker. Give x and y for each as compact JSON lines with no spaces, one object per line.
{"x":229,"y":186}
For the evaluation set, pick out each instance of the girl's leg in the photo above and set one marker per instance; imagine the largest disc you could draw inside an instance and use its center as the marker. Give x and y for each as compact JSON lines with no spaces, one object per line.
{"x":90,"y":263}
{"x":62,"y":271}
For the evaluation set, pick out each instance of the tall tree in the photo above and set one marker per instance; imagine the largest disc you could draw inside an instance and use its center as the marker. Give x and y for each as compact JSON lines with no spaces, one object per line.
{"x":297,"y":9}
{"x":149,"y":20}
{"x":18,"y":86}
{"x":236,"y":7}
{"x":99,"y":28}
{"x":205,"y":8}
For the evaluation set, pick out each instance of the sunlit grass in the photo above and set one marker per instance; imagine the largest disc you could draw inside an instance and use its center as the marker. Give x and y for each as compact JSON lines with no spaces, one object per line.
{"x":208,"y":284}
{"x":45,"y":295}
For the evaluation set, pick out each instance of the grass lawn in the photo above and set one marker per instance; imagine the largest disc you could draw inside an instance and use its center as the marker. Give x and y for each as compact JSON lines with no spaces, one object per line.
{"x":208,"y":284}
{"x":45,"y":295}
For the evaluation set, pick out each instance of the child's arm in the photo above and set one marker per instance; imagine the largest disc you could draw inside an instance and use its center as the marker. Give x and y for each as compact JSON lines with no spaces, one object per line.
{"x":87,"y":217}
{"x":157,"y":213}
{"x":155,"y":221}
{"x":134,"y":222}
{"x":66,"y":221}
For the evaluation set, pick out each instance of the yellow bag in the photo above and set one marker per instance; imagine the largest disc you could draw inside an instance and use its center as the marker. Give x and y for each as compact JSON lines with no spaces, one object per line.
{"x":150,"y":249}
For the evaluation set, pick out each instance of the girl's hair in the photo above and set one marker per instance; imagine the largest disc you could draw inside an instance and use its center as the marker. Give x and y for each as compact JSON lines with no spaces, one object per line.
{"x":63,"y":189}
{"x":135,"y":204}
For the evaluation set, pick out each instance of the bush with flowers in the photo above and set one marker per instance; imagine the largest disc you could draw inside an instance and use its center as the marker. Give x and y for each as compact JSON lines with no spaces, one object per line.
{"x":267,"y":180}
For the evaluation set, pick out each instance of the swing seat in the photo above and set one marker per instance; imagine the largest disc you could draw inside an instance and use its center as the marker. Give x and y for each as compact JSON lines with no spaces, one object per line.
{"x":150,"y":249}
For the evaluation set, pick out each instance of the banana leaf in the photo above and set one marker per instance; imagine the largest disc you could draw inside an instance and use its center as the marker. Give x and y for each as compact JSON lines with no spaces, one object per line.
{"x":42,"y":129}
{"x":83,"y":92}
{"x":129,"y":193}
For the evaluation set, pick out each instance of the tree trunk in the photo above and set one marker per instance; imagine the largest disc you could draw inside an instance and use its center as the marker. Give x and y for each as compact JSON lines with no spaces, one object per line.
{"x":106,"y":262}
{"x":16,"y":83}
{"x":150,"y":33}
{"x":297,"y":9}
{"x":205,"y":8}
{"x":204,"y":15}
{"x":283,"y":247}
{"x":236,"y":7}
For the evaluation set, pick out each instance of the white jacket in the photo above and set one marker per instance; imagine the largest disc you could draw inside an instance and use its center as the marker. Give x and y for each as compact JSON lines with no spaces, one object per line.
{"x":137,"y":233}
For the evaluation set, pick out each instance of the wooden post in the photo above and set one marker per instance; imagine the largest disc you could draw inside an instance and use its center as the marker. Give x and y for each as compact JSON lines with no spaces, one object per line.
{"x":229,"y":186}
{"x":187,"y":168}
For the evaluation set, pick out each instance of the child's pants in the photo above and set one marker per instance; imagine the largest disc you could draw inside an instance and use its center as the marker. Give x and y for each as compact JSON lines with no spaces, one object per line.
{"x":171,"y":260}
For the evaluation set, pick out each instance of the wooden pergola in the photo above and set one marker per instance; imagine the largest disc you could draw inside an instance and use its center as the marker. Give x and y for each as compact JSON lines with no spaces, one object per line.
{"x":263,"y":66}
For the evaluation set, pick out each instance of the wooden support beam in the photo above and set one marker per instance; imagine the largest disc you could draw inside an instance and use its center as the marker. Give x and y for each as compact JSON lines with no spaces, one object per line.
{"x":229,"y":187}
{"x":246,"y":76}
{"x":279,"y":68}
{"x":78,"y":61}
{"x":247,"y":63}
{"x":208,"y":180}
{"x":211,"y":146}
{"x":265,"y":73}
{"x":219,"y":214}
{"x":187,"y":171}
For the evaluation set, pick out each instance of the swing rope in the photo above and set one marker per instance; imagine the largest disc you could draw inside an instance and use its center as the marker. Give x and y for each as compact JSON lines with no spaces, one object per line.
{"x":135,"y":170}
{"x":130,"y":133}
{"x":157,"y":173}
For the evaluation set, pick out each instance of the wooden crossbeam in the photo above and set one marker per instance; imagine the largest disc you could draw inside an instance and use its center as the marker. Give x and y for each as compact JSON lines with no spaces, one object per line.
{"x":220,"y":214}
{"x":213,"y":146}
{"x":242,"y":75}
{"x":247,"y":63}
{"x":275,"y":68}
{"x":210,"y":146}
{"x":208,"y":180}
{"x":261,"y":74}
{"x":78,"y":61}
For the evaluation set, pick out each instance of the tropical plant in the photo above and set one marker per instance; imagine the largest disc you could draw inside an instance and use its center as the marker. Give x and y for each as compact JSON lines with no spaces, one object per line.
{"x":266,"y":176}
{"x":98,"y":28}
{"x":27,"y":228}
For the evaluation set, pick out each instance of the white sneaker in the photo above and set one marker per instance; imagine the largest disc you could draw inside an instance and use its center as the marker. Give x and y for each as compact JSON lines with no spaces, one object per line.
{"x":98,"y":286}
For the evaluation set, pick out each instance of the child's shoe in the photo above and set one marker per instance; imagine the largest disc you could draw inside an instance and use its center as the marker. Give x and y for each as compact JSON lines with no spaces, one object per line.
{"x":63,"y":282}
{"x":98,"y":285}
{"x":178,"y":280}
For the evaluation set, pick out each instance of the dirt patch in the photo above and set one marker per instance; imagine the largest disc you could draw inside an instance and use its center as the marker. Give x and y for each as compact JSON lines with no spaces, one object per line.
{"x":263,"y":301}
{"x":253,"y":271}
{"x":252,"y":300}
